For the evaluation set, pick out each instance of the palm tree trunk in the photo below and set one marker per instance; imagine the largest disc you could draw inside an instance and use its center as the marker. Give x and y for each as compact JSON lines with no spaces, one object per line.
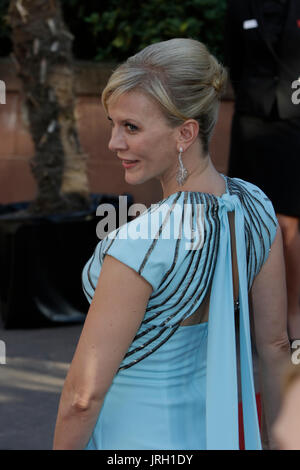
{"x":43,"y":55}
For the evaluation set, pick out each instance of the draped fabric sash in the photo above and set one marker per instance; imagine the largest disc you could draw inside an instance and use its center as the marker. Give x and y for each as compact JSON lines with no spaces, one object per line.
{"x":222,"y":383}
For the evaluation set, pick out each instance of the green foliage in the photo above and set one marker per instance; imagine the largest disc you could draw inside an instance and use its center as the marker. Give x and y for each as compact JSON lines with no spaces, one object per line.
{"x":125,"y":27}
{"x":112,"y":30}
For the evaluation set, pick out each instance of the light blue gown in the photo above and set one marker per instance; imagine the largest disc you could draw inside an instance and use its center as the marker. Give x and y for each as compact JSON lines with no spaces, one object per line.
{"x":177,"y":386}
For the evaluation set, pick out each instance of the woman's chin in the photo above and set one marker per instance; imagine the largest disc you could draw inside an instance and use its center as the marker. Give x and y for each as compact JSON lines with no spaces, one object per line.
{"x":134,"y":179}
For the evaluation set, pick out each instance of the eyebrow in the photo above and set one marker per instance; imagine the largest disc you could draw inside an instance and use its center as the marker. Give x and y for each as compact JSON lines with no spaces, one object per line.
{"x":123,"y":120}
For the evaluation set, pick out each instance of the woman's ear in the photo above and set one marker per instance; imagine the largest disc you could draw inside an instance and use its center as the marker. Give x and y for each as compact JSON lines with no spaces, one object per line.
{"x":187,"y":133}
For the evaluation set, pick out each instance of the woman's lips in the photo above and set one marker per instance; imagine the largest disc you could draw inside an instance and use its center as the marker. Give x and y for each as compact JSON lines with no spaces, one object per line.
{"x":129,"y":163}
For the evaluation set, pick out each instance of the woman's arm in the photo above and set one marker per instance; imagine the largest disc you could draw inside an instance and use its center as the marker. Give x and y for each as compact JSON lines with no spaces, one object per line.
{"x":269,"y":303}
{"x":114,"y":316}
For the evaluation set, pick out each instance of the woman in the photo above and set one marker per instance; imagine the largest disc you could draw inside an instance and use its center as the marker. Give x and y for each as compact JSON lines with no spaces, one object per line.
{"x":263,"y":39}
{"x":155,"y":367}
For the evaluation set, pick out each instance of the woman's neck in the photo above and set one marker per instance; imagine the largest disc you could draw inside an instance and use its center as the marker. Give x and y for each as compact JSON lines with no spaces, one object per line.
{"x":203,"y":177}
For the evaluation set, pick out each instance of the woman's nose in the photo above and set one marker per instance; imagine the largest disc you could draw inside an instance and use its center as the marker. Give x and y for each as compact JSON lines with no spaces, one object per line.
{"x":117,"y":141}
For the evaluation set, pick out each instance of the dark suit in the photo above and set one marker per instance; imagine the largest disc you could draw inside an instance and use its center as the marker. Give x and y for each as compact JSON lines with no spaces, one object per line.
{"x":263,"y":55}
{"x":260,"y":74}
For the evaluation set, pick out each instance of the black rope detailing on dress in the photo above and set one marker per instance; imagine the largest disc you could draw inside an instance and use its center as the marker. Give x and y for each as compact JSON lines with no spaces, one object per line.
{"x":189,"y":268}
{"x":180,"y":302}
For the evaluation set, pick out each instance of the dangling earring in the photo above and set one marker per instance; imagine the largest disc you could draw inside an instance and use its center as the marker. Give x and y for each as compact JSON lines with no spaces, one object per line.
{"x":182,"y":173}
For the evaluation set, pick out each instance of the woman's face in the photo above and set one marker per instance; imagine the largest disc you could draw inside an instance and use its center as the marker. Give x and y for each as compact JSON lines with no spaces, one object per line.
{"x":142,"y":139}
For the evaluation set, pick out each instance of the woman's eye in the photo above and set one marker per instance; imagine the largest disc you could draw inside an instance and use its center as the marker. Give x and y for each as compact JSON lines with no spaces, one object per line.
{"x":131,"y":127}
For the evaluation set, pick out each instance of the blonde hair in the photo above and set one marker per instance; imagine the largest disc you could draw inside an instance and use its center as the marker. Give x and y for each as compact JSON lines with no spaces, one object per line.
{"x":181,"y":75}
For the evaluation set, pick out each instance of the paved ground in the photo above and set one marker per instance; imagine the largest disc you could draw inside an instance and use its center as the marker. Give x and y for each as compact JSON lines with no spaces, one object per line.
{"x":31,"y":381}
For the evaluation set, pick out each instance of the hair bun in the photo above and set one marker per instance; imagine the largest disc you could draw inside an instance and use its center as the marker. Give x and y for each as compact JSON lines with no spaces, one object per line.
{"x":181,"y":75}
{"x":216,"y":84}
{"x":219,"y":81}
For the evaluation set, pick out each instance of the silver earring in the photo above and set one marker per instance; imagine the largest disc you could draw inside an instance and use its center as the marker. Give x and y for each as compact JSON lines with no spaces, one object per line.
{"x":182,"y":173}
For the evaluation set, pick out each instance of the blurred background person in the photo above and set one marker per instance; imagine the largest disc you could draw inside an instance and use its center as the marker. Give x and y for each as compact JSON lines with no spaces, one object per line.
{"x":262,"y":40}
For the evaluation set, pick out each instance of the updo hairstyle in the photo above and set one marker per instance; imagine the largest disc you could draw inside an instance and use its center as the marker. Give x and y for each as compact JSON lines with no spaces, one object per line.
{"x":181,"y":75}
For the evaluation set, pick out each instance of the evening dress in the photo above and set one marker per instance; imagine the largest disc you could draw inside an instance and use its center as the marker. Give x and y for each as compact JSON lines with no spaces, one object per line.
{"x":177,"y":386}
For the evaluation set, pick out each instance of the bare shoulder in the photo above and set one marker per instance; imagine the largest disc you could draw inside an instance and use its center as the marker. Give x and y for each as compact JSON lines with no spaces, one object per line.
{"x":120,"y":298}
{"x":118,"y":278}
